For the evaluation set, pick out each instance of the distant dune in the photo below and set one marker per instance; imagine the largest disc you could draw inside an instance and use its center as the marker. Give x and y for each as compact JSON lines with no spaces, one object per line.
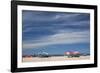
{"x":53,"y":58}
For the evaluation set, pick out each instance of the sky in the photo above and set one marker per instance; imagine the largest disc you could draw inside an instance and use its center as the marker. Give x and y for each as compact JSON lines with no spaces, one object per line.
{"x":55,"y":32}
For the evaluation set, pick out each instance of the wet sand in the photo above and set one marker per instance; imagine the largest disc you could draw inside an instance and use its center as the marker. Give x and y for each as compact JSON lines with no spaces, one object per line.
{"x":54,"y":58}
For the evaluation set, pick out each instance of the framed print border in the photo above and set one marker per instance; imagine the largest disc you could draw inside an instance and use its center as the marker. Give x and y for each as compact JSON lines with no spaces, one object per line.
{"x":14,"y":38}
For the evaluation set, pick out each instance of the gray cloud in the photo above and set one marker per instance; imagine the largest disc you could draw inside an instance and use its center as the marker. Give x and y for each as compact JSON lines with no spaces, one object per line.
{"x":59,"y":38}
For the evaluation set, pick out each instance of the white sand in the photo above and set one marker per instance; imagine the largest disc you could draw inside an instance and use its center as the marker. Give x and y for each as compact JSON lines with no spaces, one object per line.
{"x":59,"y":58}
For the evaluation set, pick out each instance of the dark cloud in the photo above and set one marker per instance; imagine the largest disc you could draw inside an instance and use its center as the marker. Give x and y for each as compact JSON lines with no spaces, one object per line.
{"x":37,"y":24}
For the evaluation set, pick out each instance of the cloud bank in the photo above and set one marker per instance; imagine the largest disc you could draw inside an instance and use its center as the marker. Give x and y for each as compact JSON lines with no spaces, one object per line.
{"x":60,"y":38}
{"x":41,"y":28}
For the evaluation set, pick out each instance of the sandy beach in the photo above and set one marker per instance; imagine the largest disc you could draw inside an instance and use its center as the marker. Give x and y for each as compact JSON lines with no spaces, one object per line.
{"x":54,"y":58}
